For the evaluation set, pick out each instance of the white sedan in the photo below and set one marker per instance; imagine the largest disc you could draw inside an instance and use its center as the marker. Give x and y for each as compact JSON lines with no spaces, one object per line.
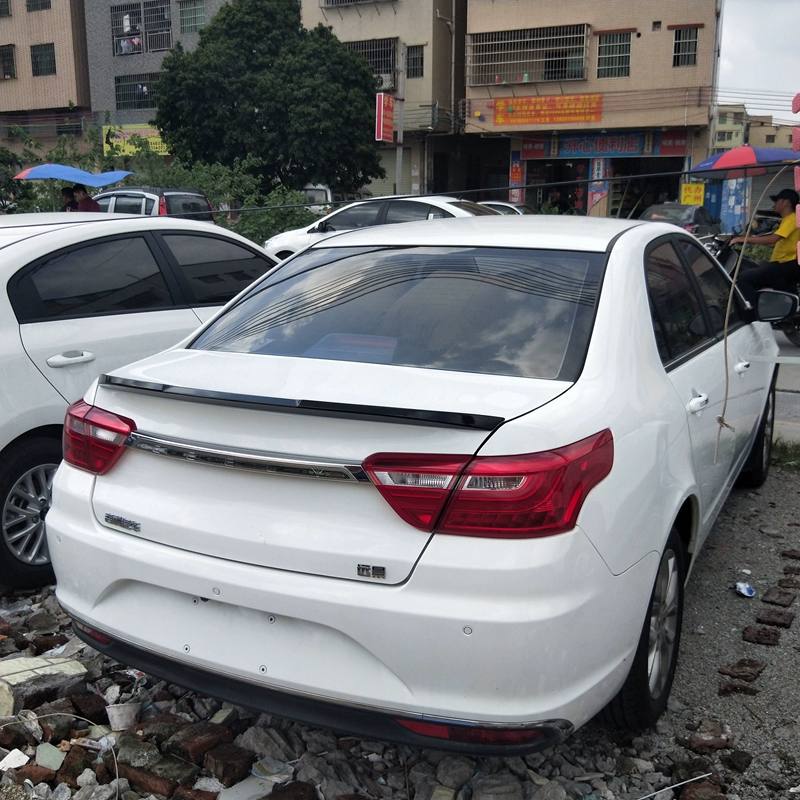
{"x":380,"y":211}
{"x":440,"y":484}
{"x":81,"y":294}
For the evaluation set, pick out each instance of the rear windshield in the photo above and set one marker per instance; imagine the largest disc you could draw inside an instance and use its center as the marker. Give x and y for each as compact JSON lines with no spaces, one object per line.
{"x":499,"y":311}
{"x":475,"y":209}
{"x":188,"y":206}
{"x":669,"y":213}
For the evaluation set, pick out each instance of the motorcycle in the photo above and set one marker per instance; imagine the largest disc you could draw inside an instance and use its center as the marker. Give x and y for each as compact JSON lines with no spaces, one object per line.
{"x":720,"y":247}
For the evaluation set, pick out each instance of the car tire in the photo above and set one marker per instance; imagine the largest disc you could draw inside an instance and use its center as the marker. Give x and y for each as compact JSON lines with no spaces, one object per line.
{"x":644,"y":694}
{"x":756,"y":468}
{"x":26,"y":479}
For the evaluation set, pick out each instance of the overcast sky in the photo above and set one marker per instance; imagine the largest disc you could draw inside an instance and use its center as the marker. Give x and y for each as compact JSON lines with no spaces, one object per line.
{"x":761,"y":54}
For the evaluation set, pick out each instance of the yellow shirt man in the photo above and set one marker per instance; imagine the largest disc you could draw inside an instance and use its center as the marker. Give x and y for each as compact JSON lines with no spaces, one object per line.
{"x":786,"y":237}
{"x":786,"y":247}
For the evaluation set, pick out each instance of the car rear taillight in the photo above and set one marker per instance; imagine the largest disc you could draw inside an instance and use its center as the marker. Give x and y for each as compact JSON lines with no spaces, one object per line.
{"x":691,"y":228}
{"x":94,"y":439}
{"x":538,"y":494}
{"x":162,"y":206}
{"x":416,"y":486}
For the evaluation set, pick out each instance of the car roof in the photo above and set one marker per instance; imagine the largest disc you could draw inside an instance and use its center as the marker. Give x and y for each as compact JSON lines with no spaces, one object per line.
{"x":150,"y":189}
{"x":548,"y":232}
{"x":18,"y":227}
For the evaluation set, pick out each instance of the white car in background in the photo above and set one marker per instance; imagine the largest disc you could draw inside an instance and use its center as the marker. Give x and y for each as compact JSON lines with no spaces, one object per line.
{"x":439,"y":483}
{"x":365,"y":214}
{"x":81,"y":294}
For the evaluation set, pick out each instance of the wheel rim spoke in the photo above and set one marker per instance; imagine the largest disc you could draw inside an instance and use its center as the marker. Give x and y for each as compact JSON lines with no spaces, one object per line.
{"x":24,"y":512}
{"x":663,"y":625}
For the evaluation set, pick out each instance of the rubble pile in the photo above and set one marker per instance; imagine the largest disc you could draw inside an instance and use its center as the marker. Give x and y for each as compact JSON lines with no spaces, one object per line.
{"x":75,"y":725}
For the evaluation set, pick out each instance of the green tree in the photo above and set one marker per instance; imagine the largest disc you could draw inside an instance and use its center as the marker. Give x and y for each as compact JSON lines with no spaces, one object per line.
{"x":259,"y":86}
{"x":14,"y":195}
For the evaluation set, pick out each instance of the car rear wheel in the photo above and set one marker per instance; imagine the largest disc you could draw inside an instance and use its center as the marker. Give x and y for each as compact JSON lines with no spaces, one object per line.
{"x":26,"y":481}
{"x":756,"y":468}
{"x":645,"y":692}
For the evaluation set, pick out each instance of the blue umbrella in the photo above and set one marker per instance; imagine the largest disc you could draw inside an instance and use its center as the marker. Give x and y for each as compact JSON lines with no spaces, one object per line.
{"x":61,"y":172}
{"x":744,"y":162}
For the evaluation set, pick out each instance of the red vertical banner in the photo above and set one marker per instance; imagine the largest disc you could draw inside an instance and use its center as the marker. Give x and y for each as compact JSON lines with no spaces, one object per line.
{"x":384,"y":117}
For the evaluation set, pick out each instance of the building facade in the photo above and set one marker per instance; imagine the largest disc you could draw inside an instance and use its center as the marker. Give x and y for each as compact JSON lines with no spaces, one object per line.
{"x":431,"y":35}
{"x":44,"y":84}
{"x":127,"y":43}
{"x":730,"y":128}
{"x":591,"y":89}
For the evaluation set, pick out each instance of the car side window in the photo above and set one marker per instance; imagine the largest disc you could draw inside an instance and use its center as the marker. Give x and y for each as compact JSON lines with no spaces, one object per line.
{"x":714,"y":286}
{"x":112,"y":277}
{"x":360,"y":216}
{"x":406,"y":211}
{"x":128,"y":204}
{"x":104,"y":202}
{"x":678,"y":319}
{"x":213,"y":270}
{"x":438,"y":213}
{"x":148,"y":205}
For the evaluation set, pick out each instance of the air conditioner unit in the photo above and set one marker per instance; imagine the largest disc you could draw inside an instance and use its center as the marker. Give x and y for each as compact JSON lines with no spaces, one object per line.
{"x":385,"y":81}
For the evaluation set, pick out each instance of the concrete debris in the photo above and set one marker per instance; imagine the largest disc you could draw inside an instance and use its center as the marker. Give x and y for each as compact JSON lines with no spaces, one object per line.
{"x":778,"y":597}
{"x":759,"y":634}
{"x":746,"y":669}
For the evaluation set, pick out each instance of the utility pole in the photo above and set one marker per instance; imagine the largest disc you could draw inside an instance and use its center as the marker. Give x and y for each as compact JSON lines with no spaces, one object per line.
{"x":399,"y":102}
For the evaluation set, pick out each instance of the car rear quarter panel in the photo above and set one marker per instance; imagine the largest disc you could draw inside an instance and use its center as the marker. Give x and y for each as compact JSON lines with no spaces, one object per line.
{"x":623,"y":387}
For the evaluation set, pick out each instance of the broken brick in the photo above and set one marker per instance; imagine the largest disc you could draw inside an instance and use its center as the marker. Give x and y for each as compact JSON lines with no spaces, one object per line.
{"x":194,"y":741}
{"x":41,"y":644}
{"x":5,"y":627}
{"x":791,"y":569}
{"x":789,"y":583}
{"x":746,"y":669}
{"x":734,"y":687}
{"x":771,"y":616}
{"x":702,"y":790}
{"x":90,"y":706}
{"x":294,"y":790}
{"x":737,"y":760}
{"x":791,"y":554}
{"x":777,"y":597}
{"x":228,"y":763}
{"x":758,"y":634}
{"x":160,"y":728}
{"x":75,"y":763}
{"x":56,"y":719}
{"x":185,"y":793}
{"x":144,"y":781}
{"x":35,"y":774}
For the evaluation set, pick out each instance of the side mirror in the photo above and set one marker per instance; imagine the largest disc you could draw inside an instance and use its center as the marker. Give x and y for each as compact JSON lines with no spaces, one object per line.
{"x":772,"y":306}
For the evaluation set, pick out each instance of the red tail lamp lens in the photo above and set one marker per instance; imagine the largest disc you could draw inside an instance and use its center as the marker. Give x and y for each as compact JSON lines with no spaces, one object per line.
{"x":94,"y":439}
{"x":415,"y":486}
{"x":91,"y":632}
{"x":470,"y":735}
{"x":538,"y":494}
{"x":162,"y":205}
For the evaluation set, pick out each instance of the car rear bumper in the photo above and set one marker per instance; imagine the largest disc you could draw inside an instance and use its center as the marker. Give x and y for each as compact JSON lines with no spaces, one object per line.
{"x":484,"y":633}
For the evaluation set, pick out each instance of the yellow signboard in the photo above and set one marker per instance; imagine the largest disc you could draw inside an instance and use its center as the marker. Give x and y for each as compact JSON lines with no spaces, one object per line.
{"x":548,"y":109}
{"x":120,"y":135}
{"x":693,"y":194}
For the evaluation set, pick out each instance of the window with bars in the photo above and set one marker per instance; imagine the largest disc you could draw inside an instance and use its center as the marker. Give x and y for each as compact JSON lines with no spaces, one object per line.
{"x":136,"y":91}
{"x":684,"y":52}
{"x":37,"y":5}
{"x":530,"y":55}
{"x":382,"y":56}
{"x":770,"y":138}
{"x":5,"y":8}
{"x":141,"y":27}
{"x":193,"y":15}
{"x":613,"y":55}
{"x":43,"y":59}
{"x":414,"y":61}
{"x":8,"y":68}
{"x":336,"y":3}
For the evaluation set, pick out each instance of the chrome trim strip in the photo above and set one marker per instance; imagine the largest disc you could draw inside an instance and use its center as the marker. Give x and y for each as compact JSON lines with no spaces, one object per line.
{"x":247,"y":460}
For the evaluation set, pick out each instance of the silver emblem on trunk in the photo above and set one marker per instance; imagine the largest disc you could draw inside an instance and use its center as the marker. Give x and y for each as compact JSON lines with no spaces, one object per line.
{"x":121,"y":522}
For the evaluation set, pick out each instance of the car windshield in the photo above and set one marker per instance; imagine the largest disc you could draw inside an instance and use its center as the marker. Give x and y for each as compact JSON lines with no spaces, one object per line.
{"x":490,"y":310}
{"x":316,"y":195}
{"x":669,"y":213}
{"x":188,"y":206}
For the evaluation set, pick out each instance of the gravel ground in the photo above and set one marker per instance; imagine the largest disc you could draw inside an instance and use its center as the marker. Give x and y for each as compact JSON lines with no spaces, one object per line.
{"x":748,"y":742}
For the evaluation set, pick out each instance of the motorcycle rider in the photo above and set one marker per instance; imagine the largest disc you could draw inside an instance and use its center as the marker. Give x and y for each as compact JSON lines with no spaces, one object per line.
{"x":782,"y":271}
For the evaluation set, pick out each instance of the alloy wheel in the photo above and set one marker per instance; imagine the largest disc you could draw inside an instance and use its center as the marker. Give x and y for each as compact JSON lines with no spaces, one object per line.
{"x":663,"y":623}
{"x":24,"y":513}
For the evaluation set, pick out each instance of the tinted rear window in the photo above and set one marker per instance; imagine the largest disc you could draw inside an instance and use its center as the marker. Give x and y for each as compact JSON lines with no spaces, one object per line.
{"x":490,"y":310}
{"x":188,"y":206}
{"x":475,"y":209}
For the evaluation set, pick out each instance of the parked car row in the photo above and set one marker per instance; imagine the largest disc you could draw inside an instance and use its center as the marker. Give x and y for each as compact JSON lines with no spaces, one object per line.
{"x":470,"y":460}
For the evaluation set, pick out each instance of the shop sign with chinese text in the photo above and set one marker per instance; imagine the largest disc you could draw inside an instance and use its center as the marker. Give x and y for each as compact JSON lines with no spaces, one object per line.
{"x":120,"y":135}
{"x":384,"y":117}
{"x":619,"y":144}
{"x":556,"y":109}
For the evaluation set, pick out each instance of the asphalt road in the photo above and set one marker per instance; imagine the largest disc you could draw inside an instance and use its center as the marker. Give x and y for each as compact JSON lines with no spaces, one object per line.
{"x":787,"y":400}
